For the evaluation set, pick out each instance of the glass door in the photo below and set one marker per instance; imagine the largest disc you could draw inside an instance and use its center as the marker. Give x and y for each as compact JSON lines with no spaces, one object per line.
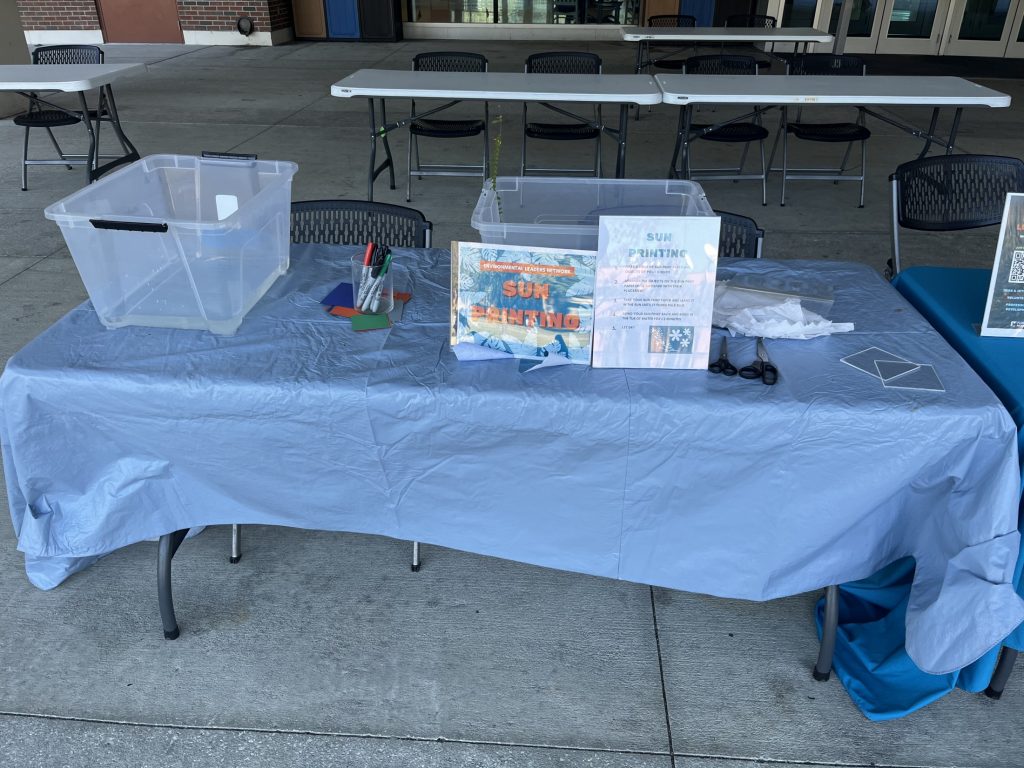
{"x":1015,"y":45}
{"x":865,"y":21}
{"x":913,"y":26}
{"x":982,"y":27}
{"x":892,"y":26}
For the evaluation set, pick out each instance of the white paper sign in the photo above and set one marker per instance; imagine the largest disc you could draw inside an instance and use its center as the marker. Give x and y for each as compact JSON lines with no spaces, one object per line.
{"x":654,"y":291}
{"x":1004,"y":310}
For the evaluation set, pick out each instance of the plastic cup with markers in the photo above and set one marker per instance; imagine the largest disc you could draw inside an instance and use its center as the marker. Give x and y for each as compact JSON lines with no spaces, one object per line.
{"x":372,"y":280}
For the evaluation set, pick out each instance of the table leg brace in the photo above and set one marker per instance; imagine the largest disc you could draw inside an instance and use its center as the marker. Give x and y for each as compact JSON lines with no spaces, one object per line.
{"x":169,"y":544}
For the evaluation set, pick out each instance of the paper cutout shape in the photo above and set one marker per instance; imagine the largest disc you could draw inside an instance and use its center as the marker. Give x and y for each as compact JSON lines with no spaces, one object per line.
{"x":341,"y":296}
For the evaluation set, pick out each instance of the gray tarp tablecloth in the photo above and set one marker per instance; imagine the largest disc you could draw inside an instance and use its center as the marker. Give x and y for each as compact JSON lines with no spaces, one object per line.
{"x":676,"y":478}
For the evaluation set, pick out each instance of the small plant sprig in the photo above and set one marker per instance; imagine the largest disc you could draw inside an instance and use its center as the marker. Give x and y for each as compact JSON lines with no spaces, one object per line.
{"x":498,"y":123}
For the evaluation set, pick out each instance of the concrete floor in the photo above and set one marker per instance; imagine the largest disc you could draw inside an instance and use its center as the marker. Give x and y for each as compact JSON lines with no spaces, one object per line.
{"x":323,"y":649}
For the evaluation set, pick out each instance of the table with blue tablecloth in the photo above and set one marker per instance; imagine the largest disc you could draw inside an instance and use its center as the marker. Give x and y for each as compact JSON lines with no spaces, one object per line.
{"x":953,"y":301}
{"x":680,"y":479}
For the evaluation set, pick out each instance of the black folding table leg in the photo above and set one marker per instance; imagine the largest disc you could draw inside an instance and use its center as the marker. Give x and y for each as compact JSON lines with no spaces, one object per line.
{"x":620,"y":161}
{"x":92,"y":162}
{"x":387,"y":145}
{"x":931,"y":133}
{"x":169,"y":544}
{"x":823,"y":668}
{"x":373,"y":152}
{"x":1001,"y":674}
{"x":951,"y":145}
{"x":130,"y":152}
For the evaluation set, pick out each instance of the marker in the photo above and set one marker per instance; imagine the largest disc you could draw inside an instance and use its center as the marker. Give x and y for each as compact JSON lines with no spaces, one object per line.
{"x":364,"y":281}
{"x":380,"y":288}
{"x":372,"y":298}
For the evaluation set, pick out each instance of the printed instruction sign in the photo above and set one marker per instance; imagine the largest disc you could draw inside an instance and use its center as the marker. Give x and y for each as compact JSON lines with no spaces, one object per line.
{"x":1004,"y":310}
{"x":654,"y":291}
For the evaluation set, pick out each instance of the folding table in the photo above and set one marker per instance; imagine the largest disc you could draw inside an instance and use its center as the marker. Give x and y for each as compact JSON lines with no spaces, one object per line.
{"x":868,"y":91}
{"x":801,"y":37}
{"x":31,"y":80}
{"x":682,"y":479}
{"x":492,"y":86}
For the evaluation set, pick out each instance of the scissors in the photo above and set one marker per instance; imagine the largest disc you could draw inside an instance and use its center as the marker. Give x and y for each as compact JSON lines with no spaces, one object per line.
{"x":762,"y":367}
{"x":722,"y":364}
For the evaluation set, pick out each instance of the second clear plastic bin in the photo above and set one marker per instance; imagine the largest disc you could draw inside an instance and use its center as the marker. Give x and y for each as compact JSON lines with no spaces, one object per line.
{"x":562,"y":212}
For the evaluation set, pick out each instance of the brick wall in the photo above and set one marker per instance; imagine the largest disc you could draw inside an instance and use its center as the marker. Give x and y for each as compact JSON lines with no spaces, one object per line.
{"x":210,"y":15}
{"x":219,"y":15}
{"x":58,"y":14}
{"x":280,"y":14}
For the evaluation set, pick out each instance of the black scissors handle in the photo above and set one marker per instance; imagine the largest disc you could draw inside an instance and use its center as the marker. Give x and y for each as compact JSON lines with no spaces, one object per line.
{"x":753,"y":371}
{"x":762,"y":368}
{"x":722,"y":364}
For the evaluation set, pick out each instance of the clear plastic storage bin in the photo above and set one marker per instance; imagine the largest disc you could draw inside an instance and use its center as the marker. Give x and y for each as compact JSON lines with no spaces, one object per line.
{"x":176,"y":241}
{"x":562,"y":212}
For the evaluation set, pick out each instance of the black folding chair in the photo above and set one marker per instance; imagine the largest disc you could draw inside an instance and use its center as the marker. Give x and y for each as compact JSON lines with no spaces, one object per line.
{"x":663,"y":55}
{"x":736,"y":132}
{"x":830,"y":133}
{"x":44,"y":115}
{"x":446,"y":61}
{"x":563,"y":63}
{"x":755,"y":21}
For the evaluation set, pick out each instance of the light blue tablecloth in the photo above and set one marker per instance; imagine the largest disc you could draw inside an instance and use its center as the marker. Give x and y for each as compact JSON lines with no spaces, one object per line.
{"x":681,"y":479}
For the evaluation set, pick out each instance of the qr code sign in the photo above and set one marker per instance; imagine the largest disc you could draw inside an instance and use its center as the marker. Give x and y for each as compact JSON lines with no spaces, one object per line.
{"x":1017,"y":267}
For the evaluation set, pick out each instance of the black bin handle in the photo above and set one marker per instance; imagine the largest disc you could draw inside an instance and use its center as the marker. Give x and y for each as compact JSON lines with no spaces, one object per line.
{"x":129,"y":226}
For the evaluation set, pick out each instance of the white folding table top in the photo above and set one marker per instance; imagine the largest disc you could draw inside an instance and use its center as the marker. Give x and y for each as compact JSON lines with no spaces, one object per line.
{"x":726,"y":34}
{"x":63,"y":77}
{"x":827,"y":89}
{"x":499,"y":86}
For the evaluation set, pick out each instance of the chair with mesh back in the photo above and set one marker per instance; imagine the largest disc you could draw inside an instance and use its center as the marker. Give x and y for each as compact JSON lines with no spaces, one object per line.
{"x":950,"y":193}
{"x":345,"y":222}
{"x":754,"y":21}
{"x":830,"y":133}
{"x":41,"y":115}
{"x":446,"y":61}
{"x":663,"y":55}
{"x":563,"y":63}
{"x":726,"y":133}
{"x":356,"y":222}
{"x":740,"y":237}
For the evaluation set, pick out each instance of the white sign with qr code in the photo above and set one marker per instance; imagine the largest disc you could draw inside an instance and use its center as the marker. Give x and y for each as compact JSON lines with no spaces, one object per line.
{"x":1004,"y":310}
